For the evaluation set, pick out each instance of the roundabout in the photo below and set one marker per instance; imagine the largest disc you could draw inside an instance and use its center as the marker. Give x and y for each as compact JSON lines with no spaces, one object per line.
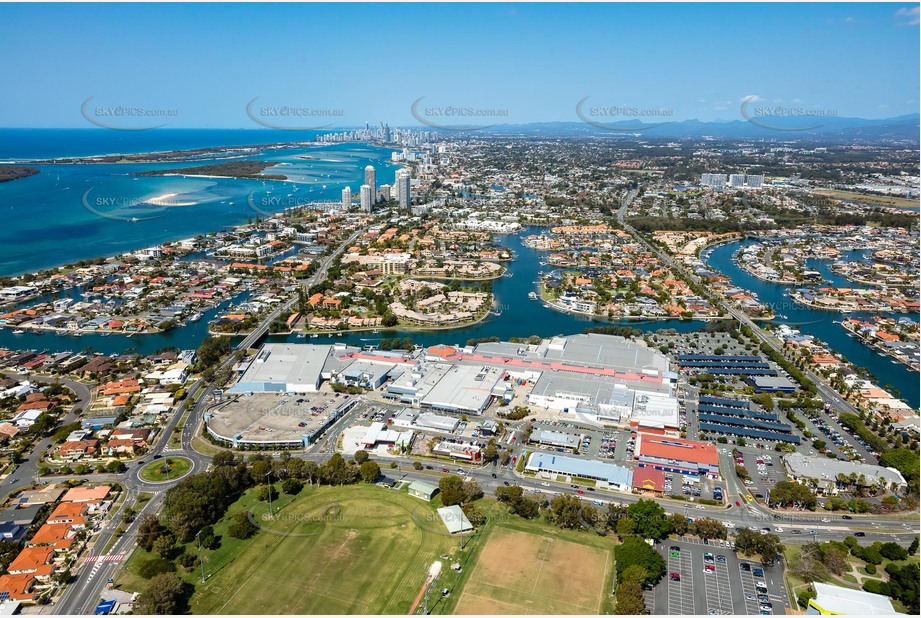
{"x":165,"y":470}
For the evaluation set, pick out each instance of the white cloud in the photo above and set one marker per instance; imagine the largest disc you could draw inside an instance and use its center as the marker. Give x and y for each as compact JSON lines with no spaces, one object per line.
{"x":908,"y":17}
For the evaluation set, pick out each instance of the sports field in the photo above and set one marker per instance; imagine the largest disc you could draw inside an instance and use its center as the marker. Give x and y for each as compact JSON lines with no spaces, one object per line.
{"x":342,"y":550}
{"x":522,"y":573}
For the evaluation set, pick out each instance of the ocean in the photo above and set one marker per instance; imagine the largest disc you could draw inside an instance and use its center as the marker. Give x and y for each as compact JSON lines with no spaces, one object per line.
{"x":69,"y":212}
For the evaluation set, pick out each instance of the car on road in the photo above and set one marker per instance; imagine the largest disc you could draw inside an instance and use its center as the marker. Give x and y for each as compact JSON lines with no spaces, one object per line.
{"x":444,"y":470}
{"x":813,"y":532}
{"x":764,"y":598}
{"x":675,"y":577}
{"x":709,"y":568}
{"x":846,"y":517}
{"x":796,"y":531}
{"x":738,"y":503}
{"x":826,"y":520}
{"x":757,"y":572}
{"x":708,"y":557}
{"x":860,"y":534}
{"x":750,"y":597}
{"x":674,"y":554}
{"x":506,"y":483}
{"x":745,"y":566}
{"x":778,"y":529}
{"x":721,"y":559}
{"x":580,"y":492}
{"x":494,"y":475}
{"x":674,"y":548}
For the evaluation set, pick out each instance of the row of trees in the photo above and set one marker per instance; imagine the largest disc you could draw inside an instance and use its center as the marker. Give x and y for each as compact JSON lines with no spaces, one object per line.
{"x":638,"y":564}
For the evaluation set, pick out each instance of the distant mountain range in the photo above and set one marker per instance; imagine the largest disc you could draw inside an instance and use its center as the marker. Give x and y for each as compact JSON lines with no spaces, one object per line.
{"x":788,"y":128}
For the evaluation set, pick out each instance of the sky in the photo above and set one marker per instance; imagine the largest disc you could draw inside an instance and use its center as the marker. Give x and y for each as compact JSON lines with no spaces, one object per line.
{"x":244,"y":65}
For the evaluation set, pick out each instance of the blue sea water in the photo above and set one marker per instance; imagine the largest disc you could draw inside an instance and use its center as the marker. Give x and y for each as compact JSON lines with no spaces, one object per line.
{"x":69,"y":212}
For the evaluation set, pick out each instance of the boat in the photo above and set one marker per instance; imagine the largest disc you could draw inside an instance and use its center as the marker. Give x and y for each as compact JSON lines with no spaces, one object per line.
{"x":301,"y":335}
{"x":195,"y":317}
{"x":375,"y":331}
{"x":532,"y":295}
{"x":314,"y":336}
{"x":18,"y":331}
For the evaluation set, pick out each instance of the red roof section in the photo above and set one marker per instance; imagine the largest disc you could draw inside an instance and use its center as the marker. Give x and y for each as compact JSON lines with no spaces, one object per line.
{"x":663,"y":447}
{"x":648,"y":478}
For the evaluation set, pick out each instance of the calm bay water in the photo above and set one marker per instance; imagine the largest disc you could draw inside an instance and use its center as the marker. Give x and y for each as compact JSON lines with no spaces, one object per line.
{"x":70,"y":212}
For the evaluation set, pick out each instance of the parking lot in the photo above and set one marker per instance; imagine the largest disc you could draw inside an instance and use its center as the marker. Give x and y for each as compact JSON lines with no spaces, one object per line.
{"x":711,"y":580}
{"x":764,"y":475}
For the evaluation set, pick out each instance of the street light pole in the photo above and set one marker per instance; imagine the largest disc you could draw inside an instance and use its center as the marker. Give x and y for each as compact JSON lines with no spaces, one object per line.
{"x":200,"y":561}
{"x":269,"y":476}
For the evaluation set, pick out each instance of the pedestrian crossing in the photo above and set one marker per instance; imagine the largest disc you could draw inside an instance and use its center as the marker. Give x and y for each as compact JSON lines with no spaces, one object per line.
{"x":104,"y":558}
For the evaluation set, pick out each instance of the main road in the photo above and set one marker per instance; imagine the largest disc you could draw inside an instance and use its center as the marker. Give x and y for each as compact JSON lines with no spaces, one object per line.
{"x":827,"y":393}
{"x":83,"y":592}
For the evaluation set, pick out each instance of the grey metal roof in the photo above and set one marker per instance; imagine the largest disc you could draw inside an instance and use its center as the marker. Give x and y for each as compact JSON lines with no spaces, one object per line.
{"x":829,"y":469}
{"x":586,"y":468}
{"x":454,"y":519}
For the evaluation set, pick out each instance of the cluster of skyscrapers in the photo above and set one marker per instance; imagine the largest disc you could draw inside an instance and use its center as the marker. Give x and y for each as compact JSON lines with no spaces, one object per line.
{"x":734,"y":181}
{"x":370,"y":194}
{"x":385,"y":134}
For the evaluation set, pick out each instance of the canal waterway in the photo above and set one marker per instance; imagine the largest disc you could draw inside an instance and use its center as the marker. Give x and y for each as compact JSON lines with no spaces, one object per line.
{"x":818,"y":323}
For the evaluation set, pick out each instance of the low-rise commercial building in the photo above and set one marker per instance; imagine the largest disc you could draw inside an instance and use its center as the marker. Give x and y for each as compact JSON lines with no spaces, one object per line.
{"x":838,"y":601}
{"x":557,"y":439}
{"x":825,"y":472}
{"x":616,"y":477}
{"x":676,"y":455}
